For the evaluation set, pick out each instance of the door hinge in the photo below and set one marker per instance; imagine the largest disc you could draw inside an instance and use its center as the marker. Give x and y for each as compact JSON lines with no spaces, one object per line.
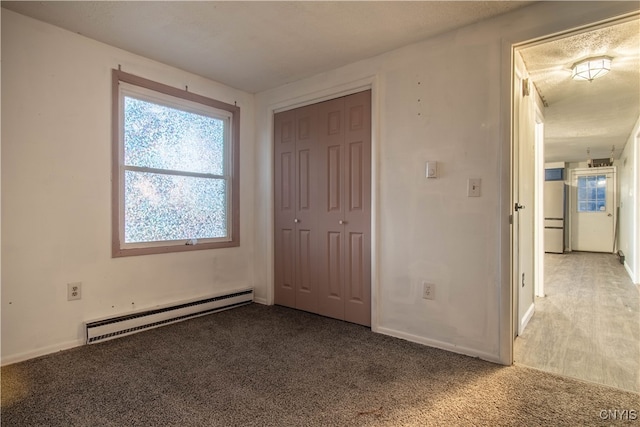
{"x":510,"y":219}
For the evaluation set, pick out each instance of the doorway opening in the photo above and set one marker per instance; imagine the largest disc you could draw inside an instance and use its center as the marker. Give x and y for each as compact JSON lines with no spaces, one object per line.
{"x":576,"y":307}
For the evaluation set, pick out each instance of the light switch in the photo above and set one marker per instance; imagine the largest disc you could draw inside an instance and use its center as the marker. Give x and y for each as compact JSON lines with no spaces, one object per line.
{"x":473,"y":187}
{"x":432,"y":169}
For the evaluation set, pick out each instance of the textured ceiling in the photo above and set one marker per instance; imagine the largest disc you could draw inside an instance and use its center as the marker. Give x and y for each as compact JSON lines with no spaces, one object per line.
{"x":582,"y":114}
{"x":257,"y":45}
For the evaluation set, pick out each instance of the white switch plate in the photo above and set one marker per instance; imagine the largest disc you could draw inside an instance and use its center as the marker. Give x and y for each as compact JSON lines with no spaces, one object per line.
{"x":432,"y":170}
{"x":473,"y":187}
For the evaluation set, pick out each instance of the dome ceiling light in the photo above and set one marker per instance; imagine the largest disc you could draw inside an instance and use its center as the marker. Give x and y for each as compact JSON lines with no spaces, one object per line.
{"x":591,"y":68}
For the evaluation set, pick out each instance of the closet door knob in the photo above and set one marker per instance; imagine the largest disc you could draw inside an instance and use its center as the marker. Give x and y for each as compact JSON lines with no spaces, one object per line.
{"x":296,"y":220}
{"x":341,"y":222}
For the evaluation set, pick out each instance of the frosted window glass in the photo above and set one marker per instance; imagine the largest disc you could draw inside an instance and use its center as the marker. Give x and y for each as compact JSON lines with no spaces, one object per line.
{"x":582,"y":193}
{"x":168,"y":207}
{"x":177,"y":169}
{"x":160,"y":137}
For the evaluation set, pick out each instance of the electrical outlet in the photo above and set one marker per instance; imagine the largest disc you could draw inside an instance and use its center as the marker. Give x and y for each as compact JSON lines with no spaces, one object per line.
{"x":74,"y":291}
{"x":428,"y":290}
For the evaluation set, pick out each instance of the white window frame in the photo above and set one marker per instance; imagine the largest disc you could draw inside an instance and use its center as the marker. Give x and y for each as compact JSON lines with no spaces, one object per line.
{"x":589,"y":200}
{"x":125,"y":84}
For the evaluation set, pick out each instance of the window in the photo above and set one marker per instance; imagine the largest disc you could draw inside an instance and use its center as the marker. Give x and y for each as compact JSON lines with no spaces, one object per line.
{"x":592,"y":194}
{"x":175,"y":169}
{"x":555,"y":174}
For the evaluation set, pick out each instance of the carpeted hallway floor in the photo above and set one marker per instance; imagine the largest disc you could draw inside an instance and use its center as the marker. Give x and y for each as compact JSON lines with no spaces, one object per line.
{"x":272,"y":366}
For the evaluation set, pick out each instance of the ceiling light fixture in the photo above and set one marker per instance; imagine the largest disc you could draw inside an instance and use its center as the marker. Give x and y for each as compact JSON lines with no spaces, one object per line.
{"x":591,"y":68}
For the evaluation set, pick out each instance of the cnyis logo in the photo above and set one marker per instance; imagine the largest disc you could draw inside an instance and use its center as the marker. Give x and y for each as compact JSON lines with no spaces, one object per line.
{"x":618,"y":414}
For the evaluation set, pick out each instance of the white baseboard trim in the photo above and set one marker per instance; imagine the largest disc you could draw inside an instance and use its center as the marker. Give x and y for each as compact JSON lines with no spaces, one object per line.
{"x":43,"y":351}
{"x":440,"y":345}
{"x":262,"y":301}
{"x":630,"y":273}
{"x":525,"y":319}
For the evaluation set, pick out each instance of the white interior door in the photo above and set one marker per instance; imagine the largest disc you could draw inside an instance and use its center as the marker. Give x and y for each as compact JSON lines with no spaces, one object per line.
{"x":523,"y":195}
{"x":593,"y":213}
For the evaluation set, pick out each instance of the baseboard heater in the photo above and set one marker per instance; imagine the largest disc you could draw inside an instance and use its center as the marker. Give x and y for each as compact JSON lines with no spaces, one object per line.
{"x":115,"y":327}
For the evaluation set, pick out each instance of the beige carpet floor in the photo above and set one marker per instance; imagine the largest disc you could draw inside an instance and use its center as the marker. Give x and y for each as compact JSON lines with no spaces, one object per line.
{"x":272,"y":366}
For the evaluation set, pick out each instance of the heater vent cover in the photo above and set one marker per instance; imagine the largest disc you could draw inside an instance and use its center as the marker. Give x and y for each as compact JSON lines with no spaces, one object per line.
{"x":118,"y":326}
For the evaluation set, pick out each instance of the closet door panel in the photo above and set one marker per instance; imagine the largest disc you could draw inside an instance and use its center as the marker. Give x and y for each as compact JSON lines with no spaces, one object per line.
{"x":358,"y":208}
{"x":306,"y":208}
{"x":285,"y":209}
{"x":331,"y":162}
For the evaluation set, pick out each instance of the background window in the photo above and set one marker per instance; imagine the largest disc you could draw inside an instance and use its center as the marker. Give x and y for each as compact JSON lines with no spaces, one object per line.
{"x":592,"y":193}
{"x":176,"y":172}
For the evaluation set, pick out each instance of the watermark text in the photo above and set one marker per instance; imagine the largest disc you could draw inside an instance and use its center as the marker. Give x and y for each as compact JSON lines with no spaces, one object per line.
{"x":618,"y":414}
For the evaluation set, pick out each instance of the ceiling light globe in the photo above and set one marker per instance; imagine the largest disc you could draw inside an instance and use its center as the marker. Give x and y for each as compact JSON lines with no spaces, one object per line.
{"x":591,"y":68}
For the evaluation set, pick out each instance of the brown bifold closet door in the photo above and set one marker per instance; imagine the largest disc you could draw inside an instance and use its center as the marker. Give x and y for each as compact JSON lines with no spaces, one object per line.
{"x":322,"y":208}
{"x":295,"y":235}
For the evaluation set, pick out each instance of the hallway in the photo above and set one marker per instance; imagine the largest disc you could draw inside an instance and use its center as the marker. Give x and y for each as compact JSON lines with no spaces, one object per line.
{"x":588,"y":325}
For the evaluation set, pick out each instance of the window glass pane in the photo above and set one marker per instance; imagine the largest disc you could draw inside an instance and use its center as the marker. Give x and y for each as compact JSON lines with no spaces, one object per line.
{"x":582,"y":182}
{"x":591,"y":206}
{"x":582,"y":193}
{"x":167,"y":207}
{"x":601,"y":205}
{"x":161,"y":137}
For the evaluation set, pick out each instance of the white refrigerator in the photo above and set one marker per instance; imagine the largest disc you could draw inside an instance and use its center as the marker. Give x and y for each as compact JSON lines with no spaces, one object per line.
{"x":554,"y":212}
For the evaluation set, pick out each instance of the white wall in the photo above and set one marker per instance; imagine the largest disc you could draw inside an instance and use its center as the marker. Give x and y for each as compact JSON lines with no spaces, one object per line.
{"x":629,"y":176}
{"x":444,"y":99}
{"x":56,"y":193}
